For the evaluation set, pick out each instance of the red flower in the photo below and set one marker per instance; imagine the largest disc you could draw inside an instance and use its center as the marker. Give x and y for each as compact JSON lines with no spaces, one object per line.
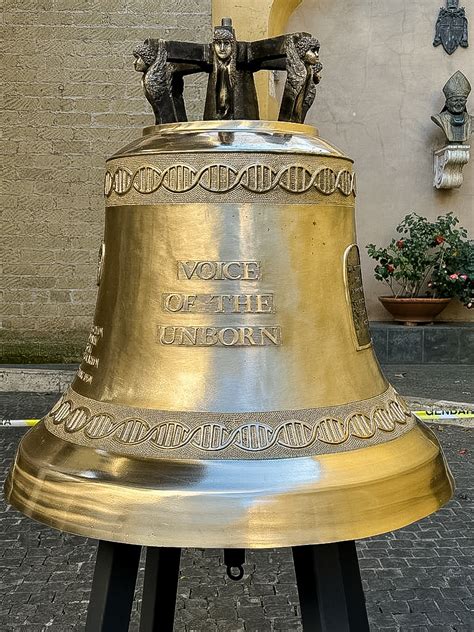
{"x":390,"y":268}
{"x":454,"y":277}
{"x":400,"y":243}
{"x":463,"y":277}
{"x":439,"y":239}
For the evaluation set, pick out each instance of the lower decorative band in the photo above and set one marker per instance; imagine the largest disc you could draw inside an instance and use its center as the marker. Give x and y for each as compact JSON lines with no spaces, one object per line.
{"x":273,"y":434}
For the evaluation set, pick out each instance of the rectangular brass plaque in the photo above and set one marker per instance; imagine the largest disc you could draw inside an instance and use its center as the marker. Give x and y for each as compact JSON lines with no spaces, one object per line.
{"x":355,"y":294}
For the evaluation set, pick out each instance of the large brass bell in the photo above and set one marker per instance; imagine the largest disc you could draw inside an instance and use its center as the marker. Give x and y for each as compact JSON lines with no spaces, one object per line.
{"x":229,"y":395}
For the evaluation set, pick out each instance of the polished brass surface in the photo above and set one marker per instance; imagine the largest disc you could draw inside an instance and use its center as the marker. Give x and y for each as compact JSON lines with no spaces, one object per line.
{"x":229,"y":379}
{"x":301,"y":261}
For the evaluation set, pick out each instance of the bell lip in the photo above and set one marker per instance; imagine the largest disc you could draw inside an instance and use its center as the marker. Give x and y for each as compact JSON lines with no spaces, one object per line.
{"x":415,"y":483}
{"x":251,"y":137}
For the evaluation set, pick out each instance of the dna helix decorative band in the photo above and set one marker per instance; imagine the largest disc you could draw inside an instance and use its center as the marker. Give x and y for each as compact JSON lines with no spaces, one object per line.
{"x":222,"y":178}
{"x":212,"y":436}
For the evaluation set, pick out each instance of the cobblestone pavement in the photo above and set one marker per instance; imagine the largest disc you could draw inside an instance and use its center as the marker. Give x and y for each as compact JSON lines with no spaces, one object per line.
{"x":418,"y":578}
{"x":452,"y":382}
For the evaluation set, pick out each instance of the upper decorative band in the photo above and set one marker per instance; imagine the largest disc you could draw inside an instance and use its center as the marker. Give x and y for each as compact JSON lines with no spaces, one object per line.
{"x":223,"y":178}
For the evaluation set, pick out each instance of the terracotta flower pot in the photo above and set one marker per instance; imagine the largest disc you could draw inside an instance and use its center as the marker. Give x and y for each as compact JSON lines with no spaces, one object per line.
{"x":412,"y":311}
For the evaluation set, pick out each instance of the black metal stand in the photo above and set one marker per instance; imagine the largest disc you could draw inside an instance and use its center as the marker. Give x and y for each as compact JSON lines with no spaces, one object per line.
{"x":113,"y":587}
{"x":330,"y":588}
{"x":159,"y":590}
{"x":327,"y":575}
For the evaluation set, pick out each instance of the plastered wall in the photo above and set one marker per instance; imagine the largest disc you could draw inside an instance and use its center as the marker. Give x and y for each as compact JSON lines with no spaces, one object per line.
{"x":382,"y":80}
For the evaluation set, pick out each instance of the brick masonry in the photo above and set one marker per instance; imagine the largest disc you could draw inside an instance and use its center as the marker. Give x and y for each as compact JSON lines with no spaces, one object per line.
{"x":71,"y":100}
{"x":419,"y":578}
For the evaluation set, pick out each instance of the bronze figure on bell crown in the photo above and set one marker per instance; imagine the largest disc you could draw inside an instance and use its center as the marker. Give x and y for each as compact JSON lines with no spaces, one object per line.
{"x":303,"y":68}
{"x":162,"y":81}
{"x":231,"y":65}
{"x":224,"y":48}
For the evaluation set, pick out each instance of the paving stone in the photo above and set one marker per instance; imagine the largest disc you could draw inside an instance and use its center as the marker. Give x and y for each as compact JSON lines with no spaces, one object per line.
{"x":224,"y":625}
{"x":412,"y":619}
{"x":424,"y":605}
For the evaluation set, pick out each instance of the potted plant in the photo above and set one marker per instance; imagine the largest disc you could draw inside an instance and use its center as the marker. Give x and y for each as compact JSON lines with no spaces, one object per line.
{"x":427,"y":265}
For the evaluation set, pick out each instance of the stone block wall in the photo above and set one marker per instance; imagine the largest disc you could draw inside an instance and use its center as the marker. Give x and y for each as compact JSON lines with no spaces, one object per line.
{"x":72,"y":98}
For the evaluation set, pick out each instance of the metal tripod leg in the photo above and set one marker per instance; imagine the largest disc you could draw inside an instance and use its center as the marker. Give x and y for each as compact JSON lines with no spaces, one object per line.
{"x":330,"y":588}
{"x":159,"y":589}
{"x":113,"y":586}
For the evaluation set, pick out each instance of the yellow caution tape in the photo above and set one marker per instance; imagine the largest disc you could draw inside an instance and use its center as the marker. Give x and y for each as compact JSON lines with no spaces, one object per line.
{"x":438,"y":415}
{"x":18,"y":423}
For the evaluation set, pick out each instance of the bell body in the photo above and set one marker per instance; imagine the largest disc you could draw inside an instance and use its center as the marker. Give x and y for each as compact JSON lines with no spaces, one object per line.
{"x":229,"y":395}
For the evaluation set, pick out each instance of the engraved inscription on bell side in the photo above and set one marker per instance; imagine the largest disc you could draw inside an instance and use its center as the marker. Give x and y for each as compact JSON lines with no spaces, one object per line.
{"x":218,"y":303}
{"x":256,"y":336}
{"x":219,"y":270}
{"x":355,"y":294}
{"x":88,"y":356}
